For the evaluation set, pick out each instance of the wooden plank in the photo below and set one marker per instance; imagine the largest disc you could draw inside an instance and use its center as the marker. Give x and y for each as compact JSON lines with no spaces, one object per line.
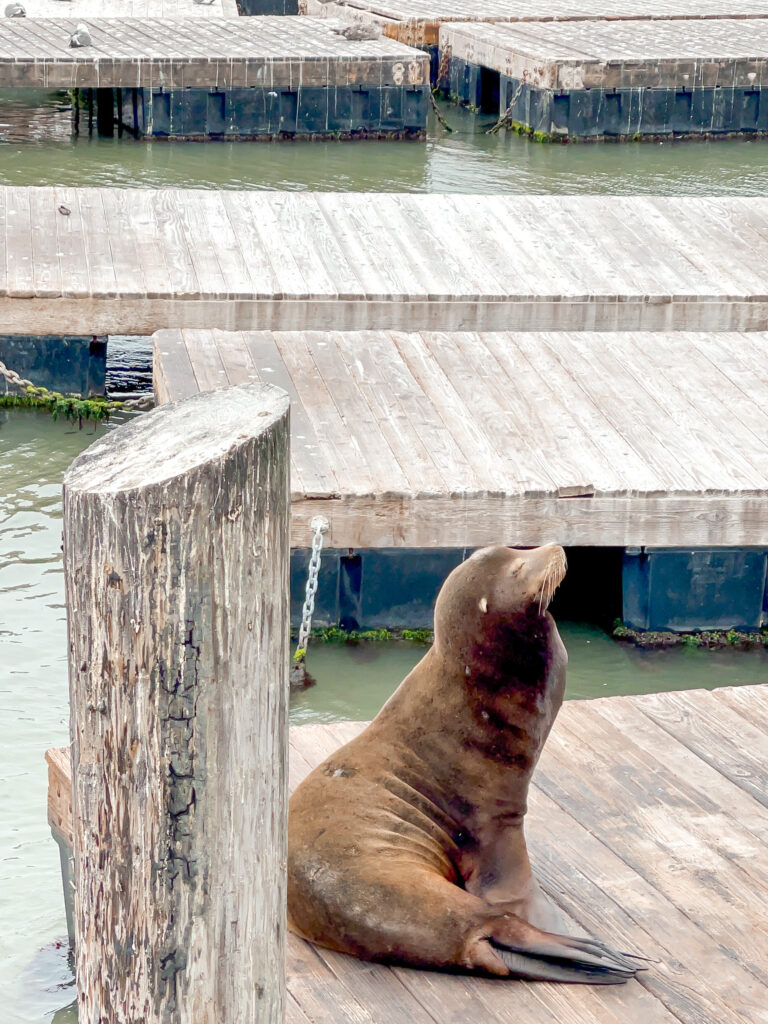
{"x":615,"y":54}
{"x":354,"y":410}
{"x":406,"y":280}
{"x":44,"y":261}
{"x":752,"y":704}
{"x":172,"y":373}
{"x":370,"y":360}
{"x":493,"y":405}
{"x":334,"y":438}
{"x":60,"y":792}
{"x":314,"y":476}
{"x":640,"y":819}
{"x":235,"y":358}
{"x":698,"y":720}
{"x":207,"y":366}
{"x":516,"y":436}
{"x":614,"y":790}
{"x":689,"y":973}
{"x":18,"y":244}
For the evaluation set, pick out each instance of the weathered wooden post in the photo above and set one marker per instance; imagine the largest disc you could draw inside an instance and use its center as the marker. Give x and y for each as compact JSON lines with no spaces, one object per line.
{"x":176,"y":560}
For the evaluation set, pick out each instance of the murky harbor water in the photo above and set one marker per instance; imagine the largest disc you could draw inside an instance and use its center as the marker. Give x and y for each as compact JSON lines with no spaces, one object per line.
{"x":36,"y":149}
{"x":465,"y":160}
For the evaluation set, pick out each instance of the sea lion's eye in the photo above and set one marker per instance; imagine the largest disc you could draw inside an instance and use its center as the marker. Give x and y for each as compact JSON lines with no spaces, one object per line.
{"x":483,"y":605}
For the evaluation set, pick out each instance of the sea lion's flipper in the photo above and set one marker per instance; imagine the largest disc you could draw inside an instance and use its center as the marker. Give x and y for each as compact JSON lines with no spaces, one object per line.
{"x":559,"y":958}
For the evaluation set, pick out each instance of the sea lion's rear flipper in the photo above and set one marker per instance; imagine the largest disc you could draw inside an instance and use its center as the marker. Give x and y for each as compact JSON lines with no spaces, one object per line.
{"x":560,"y":958}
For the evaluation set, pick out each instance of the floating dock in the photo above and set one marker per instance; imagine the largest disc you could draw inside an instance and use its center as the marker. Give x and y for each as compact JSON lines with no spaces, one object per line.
{"x":652,"y":444}
{"x":266,"y":77}
{"x":130,"y":9}
{"x":462,"y":440}
{"x":605,"y":79}
{"x":417,"y":22}
{"x":134,"y":261}
{"x":637,"y":804}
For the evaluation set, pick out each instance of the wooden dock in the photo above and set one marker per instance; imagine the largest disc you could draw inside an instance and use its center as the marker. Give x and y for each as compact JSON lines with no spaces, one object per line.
{"x":453,"y":440}
{"x":626,"y":79}
{"x":81,"y":9}
{"x":280,"y":53}
{"x":648,"y":825}
{"x":134,"y":261}
{"x":417,"y":22}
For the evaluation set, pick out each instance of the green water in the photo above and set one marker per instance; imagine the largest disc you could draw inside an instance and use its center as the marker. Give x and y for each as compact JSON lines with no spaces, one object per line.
{"x":353,"y":682}
{"x":465,"y":160}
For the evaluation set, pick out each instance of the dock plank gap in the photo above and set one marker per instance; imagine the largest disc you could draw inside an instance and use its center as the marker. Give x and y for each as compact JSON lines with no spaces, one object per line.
{"x":252,"y":78}
{"x":632,"y":796}
{"x":623,"y":80}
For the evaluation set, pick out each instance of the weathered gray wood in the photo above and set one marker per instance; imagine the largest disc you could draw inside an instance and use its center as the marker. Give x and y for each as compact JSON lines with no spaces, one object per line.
{"x":617,"y":55}
{"x":176,"y":53}
{"x":130,"y":9}
{"x":608,"y":875}
{"x":645,"y":264}
{"x":176,"y":565}
{"x":417,"y":22}
{"x":463,"y":439}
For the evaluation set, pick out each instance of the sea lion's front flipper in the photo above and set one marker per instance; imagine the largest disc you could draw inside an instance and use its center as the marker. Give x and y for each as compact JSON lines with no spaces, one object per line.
{"x":559,"y":958}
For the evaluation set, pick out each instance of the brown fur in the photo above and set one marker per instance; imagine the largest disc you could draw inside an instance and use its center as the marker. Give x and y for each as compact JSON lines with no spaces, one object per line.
{"x":407,"y":845}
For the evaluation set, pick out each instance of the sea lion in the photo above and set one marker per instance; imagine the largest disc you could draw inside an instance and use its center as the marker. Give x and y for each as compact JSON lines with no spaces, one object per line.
{"x":406,"y":846}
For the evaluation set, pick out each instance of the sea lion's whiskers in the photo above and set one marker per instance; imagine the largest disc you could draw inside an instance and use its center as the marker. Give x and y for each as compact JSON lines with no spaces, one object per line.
{"x":543,"y":602}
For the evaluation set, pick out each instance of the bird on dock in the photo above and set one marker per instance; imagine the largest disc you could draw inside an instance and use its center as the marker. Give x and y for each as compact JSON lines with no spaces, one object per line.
{"x":204,"y":2}
{"x":359,"y":31}
{"x":81,"y":36}
{"x":64,"y":210}
{"x":15,"y":11}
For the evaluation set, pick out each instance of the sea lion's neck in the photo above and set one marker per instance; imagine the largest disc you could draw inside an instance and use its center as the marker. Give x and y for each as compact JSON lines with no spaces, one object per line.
{"x":513,"y":653}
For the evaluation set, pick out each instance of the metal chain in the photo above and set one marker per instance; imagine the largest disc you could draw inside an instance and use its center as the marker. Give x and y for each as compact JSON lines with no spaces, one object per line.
{"x":442,"y":71}
{"x":320,"y":525}
{"x":13,"y":378}
{"x":506,"y":117}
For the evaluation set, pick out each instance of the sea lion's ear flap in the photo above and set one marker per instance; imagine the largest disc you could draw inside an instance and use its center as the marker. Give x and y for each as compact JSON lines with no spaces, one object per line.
{"x":483,"y":605}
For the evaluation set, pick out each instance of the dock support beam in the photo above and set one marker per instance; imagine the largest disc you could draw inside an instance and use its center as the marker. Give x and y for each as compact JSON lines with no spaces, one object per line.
{"x":176,"y":567}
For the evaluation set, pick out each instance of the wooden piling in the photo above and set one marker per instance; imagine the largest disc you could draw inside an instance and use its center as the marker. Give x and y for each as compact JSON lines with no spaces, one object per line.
{"x":176,"y":564}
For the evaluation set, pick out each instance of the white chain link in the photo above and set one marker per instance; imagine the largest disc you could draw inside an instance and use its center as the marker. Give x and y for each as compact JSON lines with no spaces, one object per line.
{"x":13,"y":378}
{"x":142,"y":403}
{"x":319,"y":524}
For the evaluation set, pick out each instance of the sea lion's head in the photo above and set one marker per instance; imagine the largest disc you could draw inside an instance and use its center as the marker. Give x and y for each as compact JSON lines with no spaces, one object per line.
{"x":493,"y":607}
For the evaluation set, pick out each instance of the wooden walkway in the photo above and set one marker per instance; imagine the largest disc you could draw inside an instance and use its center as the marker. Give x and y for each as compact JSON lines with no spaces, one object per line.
{"x":80,"y":9}
{"x":453,"y":440}
{"x":182,"y":53}
{"x":648,"y":825}
{"x":133,"y":261}
{"x":727,"y":53}
{"x":417,"y":22}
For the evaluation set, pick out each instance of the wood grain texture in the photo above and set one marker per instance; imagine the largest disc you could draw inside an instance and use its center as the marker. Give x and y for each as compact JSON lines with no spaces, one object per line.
{"x":259,"y":260}
{"x":440,"y":439}
{"x":677,"y":54}
{"x":639,"y":839}
{"x":176,"y":570}
{"x":417,"y":22}
{"x":130,"y":9}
